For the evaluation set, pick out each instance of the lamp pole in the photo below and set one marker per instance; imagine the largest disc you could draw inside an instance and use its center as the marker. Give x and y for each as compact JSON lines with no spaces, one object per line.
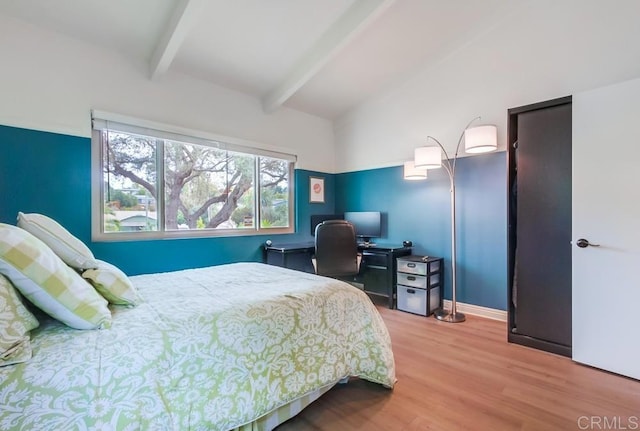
{"x":452,"y":316}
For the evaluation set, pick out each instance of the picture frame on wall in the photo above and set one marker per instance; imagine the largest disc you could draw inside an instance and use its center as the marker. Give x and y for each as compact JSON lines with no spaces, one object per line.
{"x":316,"y":190}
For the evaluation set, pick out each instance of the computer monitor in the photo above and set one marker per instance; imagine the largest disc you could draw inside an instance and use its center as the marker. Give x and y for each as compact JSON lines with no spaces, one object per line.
{"x":367,"y":224}
{"x":316,"y":219}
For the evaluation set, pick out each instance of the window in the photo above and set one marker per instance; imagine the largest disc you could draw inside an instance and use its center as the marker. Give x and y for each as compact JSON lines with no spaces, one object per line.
{"x":150,"y":182}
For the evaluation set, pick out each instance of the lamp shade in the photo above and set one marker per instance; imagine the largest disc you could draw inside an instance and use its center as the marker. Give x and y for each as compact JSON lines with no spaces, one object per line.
{"x":481,"y":139}
{"x":413,"y":173}
{"x":427,"y":157}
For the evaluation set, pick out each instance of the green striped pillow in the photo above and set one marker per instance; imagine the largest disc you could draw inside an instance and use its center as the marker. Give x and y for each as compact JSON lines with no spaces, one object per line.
{"x":112,"y":284}
{"x":15,"y":323}
{"x":45,"y":280}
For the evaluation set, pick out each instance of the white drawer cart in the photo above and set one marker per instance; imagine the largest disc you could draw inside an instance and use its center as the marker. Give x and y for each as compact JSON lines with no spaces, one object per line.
{"x":419,"y":284}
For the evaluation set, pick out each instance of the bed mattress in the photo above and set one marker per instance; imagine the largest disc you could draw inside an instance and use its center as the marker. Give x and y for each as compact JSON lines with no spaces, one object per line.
{"x":210,"y":348}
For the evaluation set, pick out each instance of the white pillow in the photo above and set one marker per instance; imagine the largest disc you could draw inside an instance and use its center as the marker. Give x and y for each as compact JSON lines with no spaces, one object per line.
{"x":69,"y":248}
{"x":112,"y":284}
{"x":45,"y":280}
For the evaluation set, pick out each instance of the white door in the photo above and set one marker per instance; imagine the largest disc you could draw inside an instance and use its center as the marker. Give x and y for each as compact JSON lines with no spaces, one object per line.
{"x":606,"y":212}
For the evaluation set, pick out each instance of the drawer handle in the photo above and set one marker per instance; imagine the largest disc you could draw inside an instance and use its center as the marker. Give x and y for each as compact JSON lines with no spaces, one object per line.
{"x":411,"y":291}
{"x":411,"y":265}
{"x":411,"y":278}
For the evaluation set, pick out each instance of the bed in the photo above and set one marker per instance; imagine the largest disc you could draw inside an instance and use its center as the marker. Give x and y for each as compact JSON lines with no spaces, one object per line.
{"x":238,"y":346}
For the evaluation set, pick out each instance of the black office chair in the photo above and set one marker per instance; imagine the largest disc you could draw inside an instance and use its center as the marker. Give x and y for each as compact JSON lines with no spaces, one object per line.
{"x":336,"y":249}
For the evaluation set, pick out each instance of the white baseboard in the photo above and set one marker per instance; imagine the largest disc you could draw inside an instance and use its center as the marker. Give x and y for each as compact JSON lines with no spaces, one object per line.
{"x":489,"y":313}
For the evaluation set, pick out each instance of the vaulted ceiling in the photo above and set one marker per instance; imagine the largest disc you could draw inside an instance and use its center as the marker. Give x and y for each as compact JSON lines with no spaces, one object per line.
{"x":323,"y":57}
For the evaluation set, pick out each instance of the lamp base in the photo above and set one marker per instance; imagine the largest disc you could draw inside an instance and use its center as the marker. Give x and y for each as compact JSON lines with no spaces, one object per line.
{"x":449,"y":316}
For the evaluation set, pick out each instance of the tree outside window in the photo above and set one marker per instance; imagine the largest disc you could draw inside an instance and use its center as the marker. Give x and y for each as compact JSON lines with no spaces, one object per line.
{"x":152,"y":184}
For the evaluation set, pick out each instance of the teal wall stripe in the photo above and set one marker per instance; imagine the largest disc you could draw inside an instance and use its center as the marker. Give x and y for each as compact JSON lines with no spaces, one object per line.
{"x":305,"y":208}
{"x":419,"y":211}
{"x":50,"y":173}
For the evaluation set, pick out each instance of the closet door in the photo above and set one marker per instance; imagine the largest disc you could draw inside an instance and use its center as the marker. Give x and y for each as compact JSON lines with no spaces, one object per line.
{"x":541,"y":226}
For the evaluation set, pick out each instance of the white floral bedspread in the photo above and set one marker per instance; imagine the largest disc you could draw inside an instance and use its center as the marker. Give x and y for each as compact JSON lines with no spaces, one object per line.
{"x":211,"y":348}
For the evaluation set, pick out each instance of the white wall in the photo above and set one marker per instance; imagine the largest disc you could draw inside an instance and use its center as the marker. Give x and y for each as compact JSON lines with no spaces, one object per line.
{"x":542,"y":50}
{"x":51,"y":82}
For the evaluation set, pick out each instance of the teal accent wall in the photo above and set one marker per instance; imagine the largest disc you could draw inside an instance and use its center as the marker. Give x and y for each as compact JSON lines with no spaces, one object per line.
{"x":307,"y":209}
{"x":420,"y":211}
{"x":50,"y":173}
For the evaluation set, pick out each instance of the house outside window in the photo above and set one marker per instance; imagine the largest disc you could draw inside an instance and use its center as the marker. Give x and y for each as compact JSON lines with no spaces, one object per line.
{"x":153,"y":182}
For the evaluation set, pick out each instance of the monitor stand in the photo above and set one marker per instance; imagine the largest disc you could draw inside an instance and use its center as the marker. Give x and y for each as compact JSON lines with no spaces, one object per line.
{"x":366,"y":242}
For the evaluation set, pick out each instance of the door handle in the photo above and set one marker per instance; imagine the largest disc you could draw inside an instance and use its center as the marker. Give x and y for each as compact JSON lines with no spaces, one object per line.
{"x":584,"y":243}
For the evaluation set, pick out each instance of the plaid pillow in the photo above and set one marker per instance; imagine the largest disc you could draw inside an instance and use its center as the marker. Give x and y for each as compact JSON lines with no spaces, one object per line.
{"x":112,"y":284}
{"x":15,"y":323}
{"x":45,"y":280}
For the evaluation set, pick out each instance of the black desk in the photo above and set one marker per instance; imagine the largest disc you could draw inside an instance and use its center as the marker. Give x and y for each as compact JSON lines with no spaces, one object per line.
{"x":291,"y":255}
{"x":377,"y":271}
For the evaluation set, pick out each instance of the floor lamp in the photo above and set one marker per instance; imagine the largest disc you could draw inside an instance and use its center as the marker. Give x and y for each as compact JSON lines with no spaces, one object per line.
{"x":478,"y":139}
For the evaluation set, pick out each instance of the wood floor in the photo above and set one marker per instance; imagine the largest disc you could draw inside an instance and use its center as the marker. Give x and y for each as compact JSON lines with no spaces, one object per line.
{"x":466,"y":376}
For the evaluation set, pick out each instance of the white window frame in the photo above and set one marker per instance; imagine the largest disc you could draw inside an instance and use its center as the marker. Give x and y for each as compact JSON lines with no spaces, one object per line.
{"x":108,"y":121}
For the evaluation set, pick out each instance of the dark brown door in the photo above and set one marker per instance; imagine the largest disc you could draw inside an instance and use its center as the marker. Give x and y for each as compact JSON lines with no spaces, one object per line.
{"x":542,"y":281}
